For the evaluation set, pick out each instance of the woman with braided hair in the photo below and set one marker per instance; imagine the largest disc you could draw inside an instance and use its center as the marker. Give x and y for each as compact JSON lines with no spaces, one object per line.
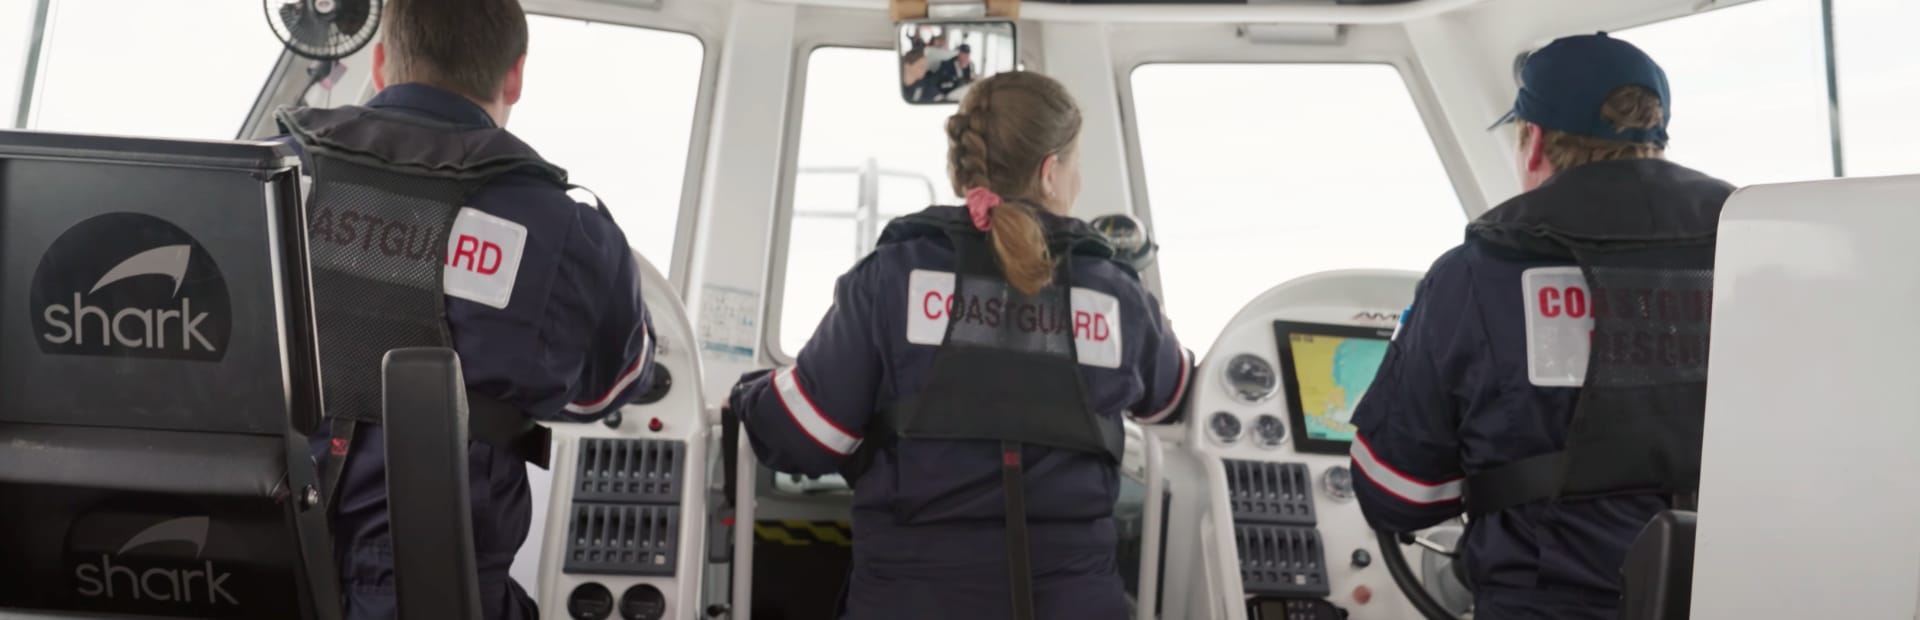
{"x":970,"y":380}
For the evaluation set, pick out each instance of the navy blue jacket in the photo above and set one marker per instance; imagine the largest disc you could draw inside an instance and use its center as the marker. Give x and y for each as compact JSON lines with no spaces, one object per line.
{"x":574,"y":340}
{"x":573,"y":344}
{"x":1454,"y":396}
{"x":928,"y":509}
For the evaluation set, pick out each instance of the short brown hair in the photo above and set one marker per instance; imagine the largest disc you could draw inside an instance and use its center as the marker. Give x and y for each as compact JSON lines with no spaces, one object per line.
{"x":1007,"y":126}
{"x":466,"y":46}
{"x":1627,"y":107}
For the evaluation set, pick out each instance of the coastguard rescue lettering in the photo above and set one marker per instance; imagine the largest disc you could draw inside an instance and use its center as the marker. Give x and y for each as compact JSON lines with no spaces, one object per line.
{"x":1657,"y":325}
{"x":1094,"y":319}
{"x":481,"y":255}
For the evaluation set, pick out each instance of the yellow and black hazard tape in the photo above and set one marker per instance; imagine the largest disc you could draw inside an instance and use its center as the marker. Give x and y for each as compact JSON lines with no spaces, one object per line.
{"x":797,"y":533}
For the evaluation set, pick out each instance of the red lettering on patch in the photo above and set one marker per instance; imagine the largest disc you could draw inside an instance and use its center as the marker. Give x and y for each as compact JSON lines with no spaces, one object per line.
{"x":1576,"y":302}
{"x":933,"y":305}
{"x":465,"y":247}
{"x":489,"y":249}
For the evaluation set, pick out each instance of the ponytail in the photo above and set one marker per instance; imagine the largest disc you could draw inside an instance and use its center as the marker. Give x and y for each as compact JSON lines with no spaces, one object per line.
{"x":1007,"y":126}
{"x":1022,"y":248}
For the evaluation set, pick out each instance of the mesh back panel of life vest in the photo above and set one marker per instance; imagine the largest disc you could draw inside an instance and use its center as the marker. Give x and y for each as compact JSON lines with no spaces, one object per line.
{"x":378,"y":243}
{"x":387,"y":190}
{"x":1637,"y":424}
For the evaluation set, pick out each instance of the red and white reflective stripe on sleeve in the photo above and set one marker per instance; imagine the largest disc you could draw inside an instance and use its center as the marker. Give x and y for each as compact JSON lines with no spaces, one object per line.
{"x":627,"y":378}
{"x":1407,"y":488}
{"x":817,"y":426}
{"x":1179,"y":391}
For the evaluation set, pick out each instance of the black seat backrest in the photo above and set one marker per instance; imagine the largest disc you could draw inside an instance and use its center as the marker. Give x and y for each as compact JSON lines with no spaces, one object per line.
{"x":1657,"y":579}
{"x":158,"y":379}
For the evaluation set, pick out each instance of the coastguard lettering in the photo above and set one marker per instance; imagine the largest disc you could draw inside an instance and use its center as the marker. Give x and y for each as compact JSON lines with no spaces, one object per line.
{"x":1656,"y":314}
{"x":370,"y":233}
{"x":393,"y":239}
{"x":1670,"y":326}
{"x":1092,"y":317}
{"x":473,"y":254}
{"x":1661,"y":305}
{"x":1027,"y":317}
{"x":1661,"y":327}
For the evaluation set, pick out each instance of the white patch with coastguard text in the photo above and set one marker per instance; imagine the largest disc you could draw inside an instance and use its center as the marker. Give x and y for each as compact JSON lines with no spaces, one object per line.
{"x":1095,"y":317}
{"x":483,"y":257}
{"x":1559,"y":310}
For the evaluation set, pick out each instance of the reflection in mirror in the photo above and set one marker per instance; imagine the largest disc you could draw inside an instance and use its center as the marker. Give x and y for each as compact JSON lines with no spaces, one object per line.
{"x":940,"y":59}
{"x":1132,"y":244}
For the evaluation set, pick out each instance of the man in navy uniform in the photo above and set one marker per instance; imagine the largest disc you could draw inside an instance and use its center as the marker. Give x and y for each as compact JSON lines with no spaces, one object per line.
{"x":1550,"y":378}
{"x":430,"y":225}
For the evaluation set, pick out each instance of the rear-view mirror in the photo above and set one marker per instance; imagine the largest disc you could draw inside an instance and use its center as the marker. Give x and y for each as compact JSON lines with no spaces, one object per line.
{"x":940,"y":59}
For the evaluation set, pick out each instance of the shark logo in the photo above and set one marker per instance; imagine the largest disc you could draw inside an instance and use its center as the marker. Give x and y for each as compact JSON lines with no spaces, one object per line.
{"x":130,"y":285}
{"x":185,"y":529}
{"x":138,"y":573}
{"x":170,"y":261}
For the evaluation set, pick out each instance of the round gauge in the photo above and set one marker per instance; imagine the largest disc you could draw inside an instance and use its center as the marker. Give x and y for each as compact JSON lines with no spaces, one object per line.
{"x":1269,"y":431}
{"x":1251,"y":379}
{"x":1224,"y":428}
{"x":1338,"y":482}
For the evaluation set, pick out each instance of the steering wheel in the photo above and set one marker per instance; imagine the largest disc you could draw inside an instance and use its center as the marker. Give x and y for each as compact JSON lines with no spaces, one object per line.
{"x":1393,"y":554}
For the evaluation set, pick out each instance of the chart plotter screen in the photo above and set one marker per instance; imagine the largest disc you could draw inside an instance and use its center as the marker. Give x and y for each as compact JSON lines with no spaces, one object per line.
{"x":1327,"y":370}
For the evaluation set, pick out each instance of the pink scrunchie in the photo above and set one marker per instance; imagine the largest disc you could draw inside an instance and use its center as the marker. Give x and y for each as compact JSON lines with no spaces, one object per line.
{"x":980,"y":204}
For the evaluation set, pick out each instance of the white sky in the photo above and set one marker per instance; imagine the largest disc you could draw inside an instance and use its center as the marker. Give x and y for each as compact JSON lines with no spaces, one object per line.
{"x":1283,"y":171}
{"x":624,"y":135}
{"x":1278,"y":170}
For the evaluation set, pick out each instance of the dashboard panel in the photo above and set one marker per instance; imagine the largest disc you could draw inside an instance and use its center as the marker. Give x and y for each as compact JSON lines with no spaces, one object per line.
{"x":1282,"y":519}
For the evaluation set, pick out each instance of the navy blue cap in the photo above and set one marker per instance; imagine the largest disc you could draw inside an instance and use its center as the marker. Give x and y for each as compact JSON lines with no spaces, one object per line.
{"x":1564,"y":85}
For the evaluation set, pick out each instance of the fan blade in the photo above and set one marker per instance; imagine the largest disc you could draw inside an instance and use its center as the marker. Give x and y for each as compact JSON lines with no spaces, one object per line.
{"x":351,"y":15}
{"x":313,"y":32}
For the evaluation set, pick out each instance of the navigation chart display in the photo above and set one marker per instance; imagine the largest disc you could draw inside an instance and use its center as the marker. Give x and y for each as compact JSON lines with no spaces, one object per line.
{"x":1327,"y":370}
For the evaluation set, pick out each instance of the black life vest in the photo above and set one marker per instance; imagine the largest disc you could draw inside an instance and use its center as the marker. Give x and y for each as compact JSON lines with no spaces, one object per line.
{"x":1642,"y":233}
{"x":999,"y":382}
{"x":387,"y":189}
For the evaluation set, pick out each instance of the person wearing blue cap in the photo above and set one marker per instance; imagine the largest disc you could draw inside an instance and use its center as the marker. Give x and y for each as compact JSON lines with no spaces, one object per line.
{"x":1550,"y":379}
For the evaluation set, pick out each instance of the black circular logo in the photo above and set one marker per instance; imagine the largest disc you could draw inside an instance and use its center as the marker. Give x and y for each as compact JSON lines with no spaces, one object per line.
{"x":130,"y":285}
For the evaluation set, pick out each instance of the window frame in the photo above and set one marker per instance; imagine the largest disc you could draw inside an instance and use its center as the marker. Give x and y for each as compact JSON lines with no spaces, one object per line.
{"x":36,"y":45}
{"x":1446,"y":144}
{"x":32,"y":76}
{"x":692,"y":180}
{"x":1836,"y":145}
{"x":283,"y":84}
{"x":774,"y":289}
{"x":773,"y":311}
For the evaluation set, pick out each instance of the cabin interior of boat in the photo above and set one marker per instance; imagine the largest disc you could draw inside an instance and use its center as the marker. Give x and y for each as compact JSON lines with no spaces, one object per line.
{"x":1297,"y":163}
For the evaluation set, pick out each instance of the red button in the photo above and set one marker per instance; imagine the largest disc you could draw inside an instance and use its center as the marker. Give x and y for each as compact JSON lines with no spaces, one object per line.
{"x":655,"y":425}
{"x":1362,"y":594}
